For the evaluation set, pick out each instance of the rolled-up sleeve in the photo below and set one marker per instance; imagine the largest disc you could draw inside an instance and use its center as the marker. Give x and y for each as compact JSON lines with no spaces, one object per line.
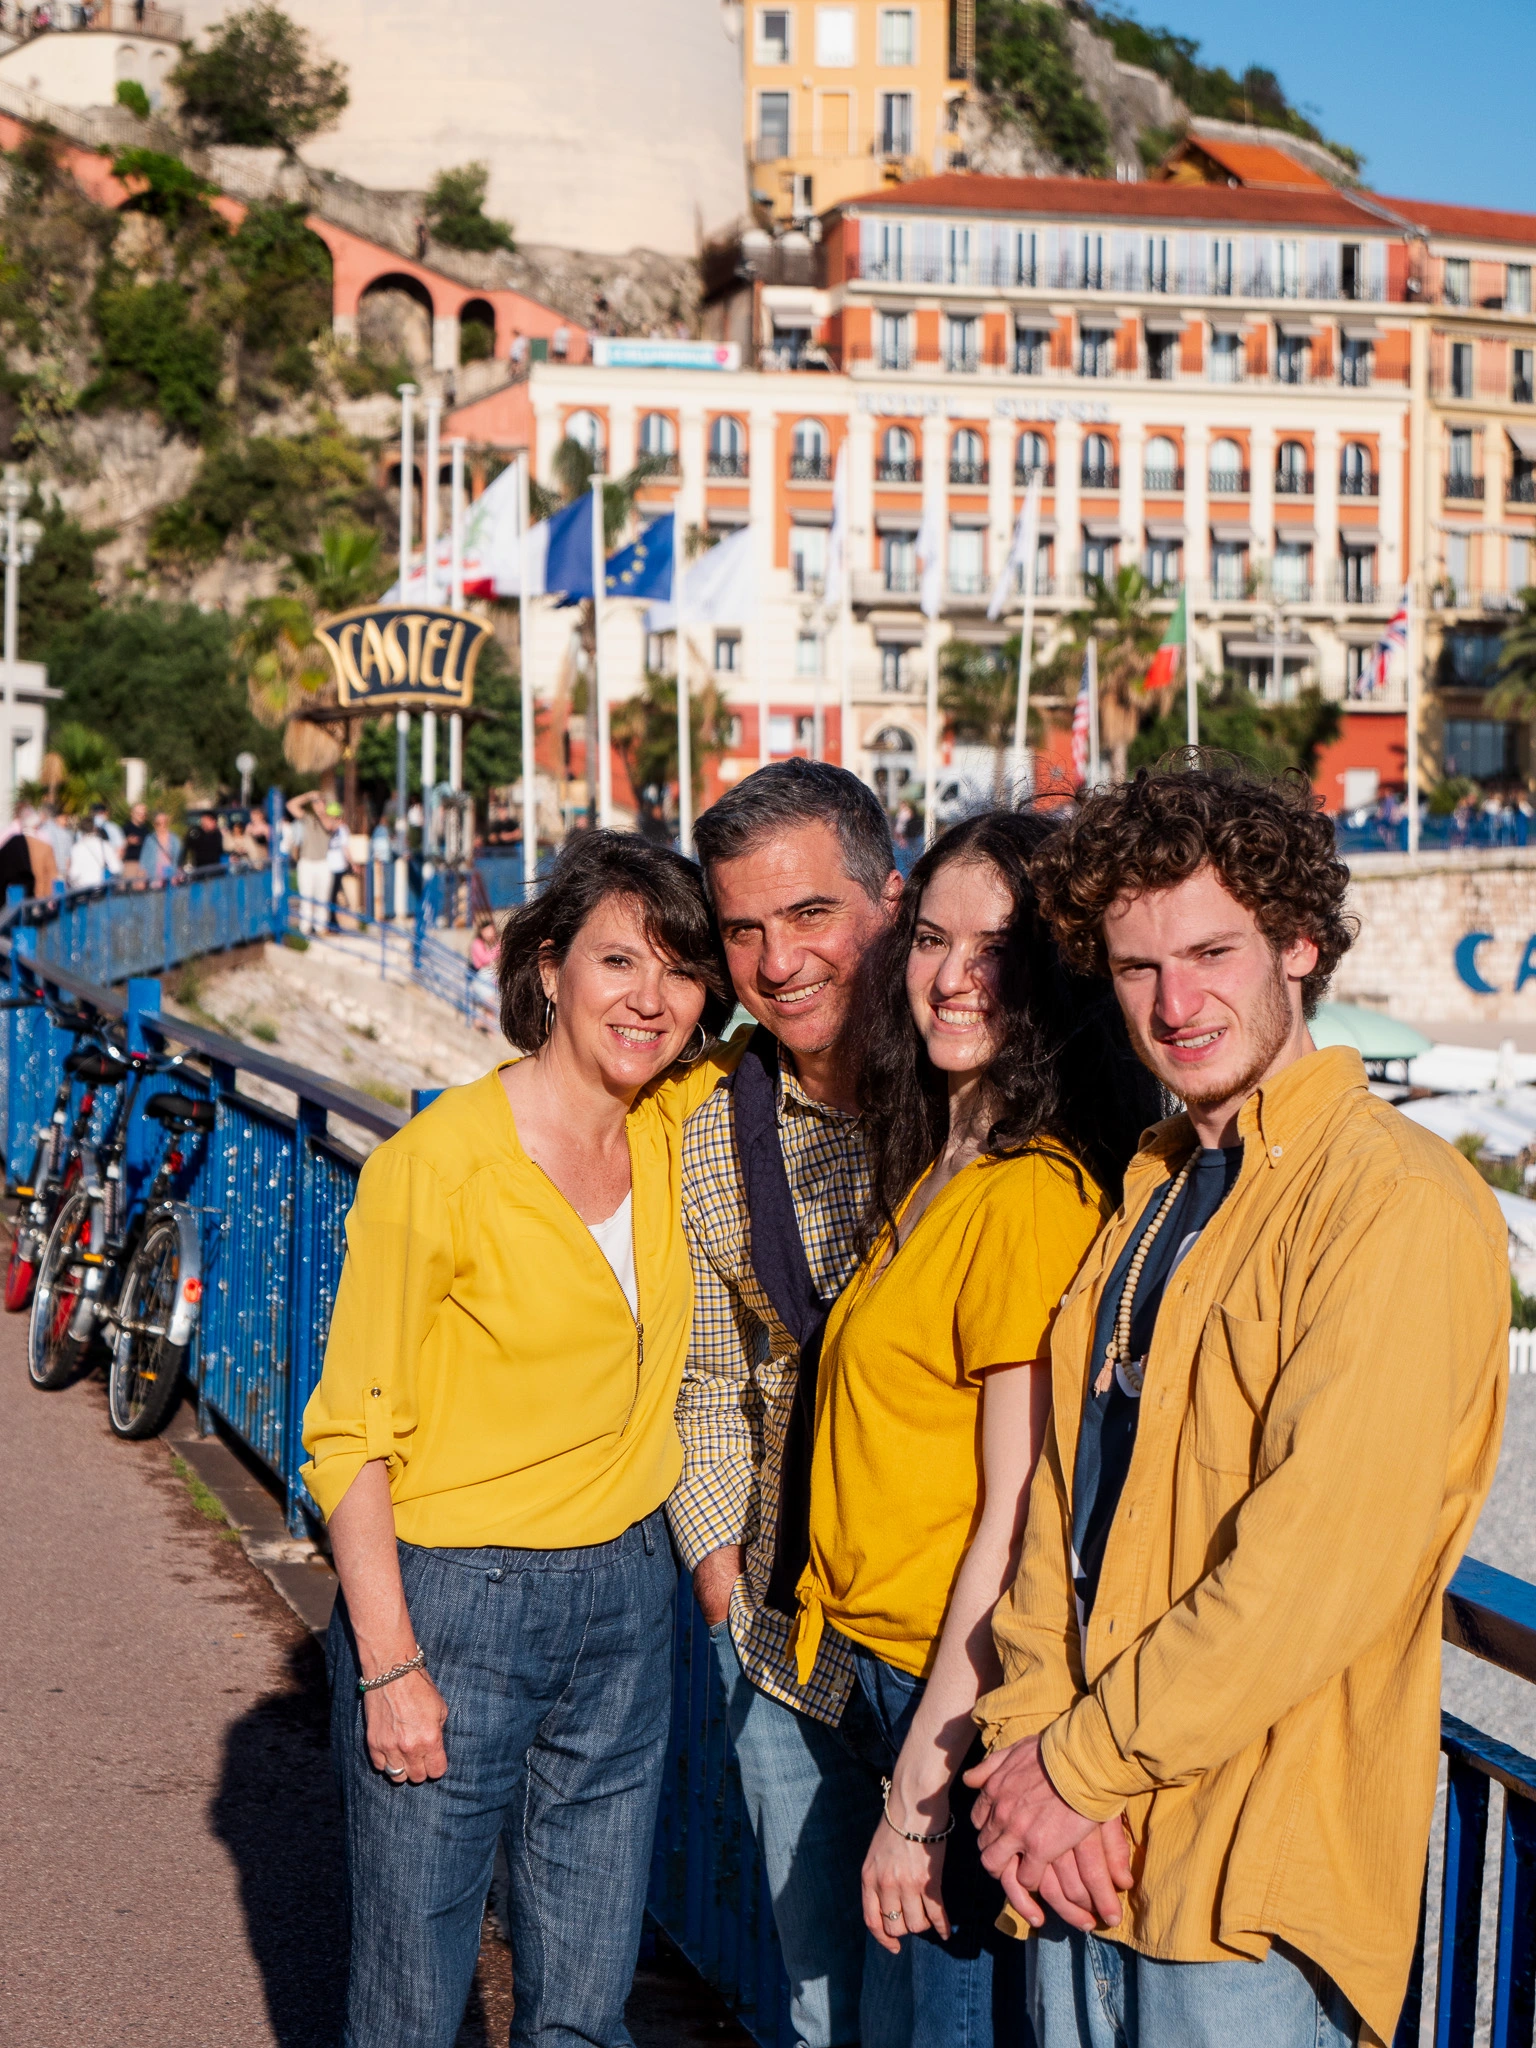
{"x":398,"y":1271}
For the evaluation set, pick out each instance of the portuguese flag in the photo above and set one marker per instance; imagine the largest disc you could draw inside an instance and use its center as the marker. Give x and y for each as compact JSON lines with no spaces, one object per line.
{"x":1165,"y":663}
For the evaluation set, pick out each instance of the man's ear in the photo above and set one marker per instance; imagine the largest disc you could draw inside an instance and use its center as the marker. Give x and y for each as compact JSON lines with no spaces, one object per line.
{"x":890,"y":895}
{"x":1299,"y":958}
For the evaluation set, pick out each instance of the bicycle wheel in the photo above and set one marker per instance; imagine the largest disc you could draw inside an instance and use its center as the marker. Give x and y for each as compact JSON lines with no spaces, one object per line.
{"x":31,"y":1234}
{"x":53,"y":1355}
{"x":146,"y":1366}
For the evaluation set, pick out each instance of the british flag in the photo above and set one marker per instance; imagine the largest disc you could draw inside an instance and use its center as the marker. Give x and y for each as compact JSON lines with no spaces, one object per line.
{"x":1080,"y":727}
{"x":1395,"y":635}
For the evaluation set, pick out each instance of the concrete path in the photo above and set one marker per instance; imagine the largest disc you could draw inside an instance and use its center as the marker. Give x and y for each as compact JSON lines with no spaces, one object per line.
{"x":170,"y":1869}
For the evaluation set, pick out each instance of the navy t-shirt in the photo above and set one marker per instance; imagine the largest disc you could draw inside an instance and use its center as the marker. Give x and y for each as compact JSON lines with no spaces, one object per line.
{"x":1109,"y":1419}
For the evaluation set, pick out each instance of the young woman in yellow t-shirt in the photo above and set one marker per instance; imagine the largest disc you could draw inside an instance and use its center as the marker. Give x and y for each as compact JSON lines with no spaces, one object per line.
{"x":1002,"y":1104}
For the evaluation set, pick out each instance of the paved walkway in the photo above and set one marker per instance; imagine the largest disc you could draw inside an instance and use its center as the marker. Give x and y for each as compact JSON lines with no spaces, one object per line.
{"x":170,"y":1871}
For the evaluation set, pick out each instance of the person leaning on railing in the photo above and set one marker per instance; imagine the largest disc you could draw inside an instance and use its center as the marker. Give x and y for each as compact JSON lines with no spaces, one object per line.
{"x":492,"y":1440}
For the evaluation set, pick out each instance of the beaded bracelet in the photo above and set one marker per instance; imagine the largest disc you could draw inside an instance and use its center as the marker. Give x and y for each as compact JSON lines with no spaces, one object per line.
{"x":416,"y":1663}
{"x":885,"y":1807}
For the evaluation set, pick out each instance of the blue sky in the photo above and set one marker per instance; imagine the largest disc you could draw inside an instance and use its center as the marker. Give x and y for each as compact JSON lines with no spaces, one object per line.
{"x":1438,"y":98}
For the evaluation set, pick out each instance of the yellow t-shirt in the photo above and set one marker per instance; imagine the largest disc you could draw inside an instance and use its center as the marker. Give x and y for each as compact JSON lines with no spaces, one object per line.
{"x":896,"y":1474}
{"x":482,"y":1345}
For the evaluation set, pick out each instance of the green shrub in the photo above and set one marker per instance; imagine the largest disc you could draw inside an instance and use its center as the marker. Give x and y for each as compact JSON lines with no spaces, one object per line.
{"x":173,"y":191}
{"x":257,"y":84}
{"x":286,"y":271}
{"x":131,"y":94}
{"x":361,"y":375}
{"x":275,"y":493}
{"x":153,"y":352}
{"x":1522,"y":1307}
{"x":1024,"y":57}
{"x":456,"y":210}
{"x":477,"y":341}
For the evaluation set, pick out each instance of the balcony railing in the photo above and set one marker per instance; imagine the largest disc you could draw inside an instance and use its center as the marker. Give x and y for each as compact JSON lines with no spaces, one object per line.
{"x":810,"y":469}
{"x":1228,"y":483}
{"x":962,"y":362}
{"x":1293,"y":483}
{"x":895,"y":359}
{"x":1520,"y":392}
{"x":968,"y":472}
{"x":1023,"y":471}
{"x":1362,"y":483}
{"x":1457,"y":486}
{"x":1162,"y":480}
{"x":658,"y":464}
{"x":1520,"y":489}
{"x":898,"y":472}
{"x":1002,"y":272}
{"x":1101,"y":476}
{"x":728,"y":465}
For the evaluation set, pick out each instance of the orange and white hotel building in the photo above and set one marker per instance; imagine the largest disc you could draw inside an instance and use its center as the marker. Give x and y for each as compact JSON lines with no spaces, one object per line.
{"x":1294,"y":398}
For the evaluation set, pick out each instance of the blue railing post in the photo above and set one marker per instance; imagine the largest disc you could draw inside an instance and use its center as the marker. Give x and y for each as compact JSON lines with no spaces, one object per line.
{"x":23,"y":951}
{"x":305,"y":1341}
{"x":144,"y":1000}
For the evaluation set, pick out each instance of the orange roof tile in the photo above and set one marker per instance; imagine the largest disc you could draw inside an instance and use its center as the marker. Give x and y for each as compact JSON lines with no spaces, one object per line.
{"x":1259,"y":165}
{"x":1107,"y":199}
{"x":1473,"y":223}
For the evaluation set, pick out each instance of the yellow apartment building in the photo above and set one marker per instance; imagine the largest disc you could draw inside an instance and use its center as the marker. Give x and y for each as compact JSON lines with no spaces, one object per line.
{"x":842,"y":95}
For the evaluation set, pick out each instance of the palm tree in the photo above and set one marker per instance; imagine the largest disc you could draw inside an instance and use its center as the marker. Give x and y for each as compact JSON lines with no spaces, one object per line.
{"x":644,"y":729}
{"x":286,"y":671}
{"x":345,"y":571}
{"x":1118,"y":617}
{"x":979,"y":695}
{"x":1514,"y":695}
{"x":80,"y":768}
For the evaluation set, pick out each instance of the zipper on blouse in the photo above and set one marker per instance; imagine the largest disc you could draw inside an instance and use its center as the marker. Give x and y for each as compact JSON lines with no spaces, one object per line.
{"x":639,"y":1342}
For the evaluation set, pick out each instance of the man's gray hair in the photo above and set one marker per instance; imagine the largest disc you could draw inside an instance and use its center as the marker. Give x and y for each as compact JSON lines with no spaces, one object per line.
{"x":799,"y":792}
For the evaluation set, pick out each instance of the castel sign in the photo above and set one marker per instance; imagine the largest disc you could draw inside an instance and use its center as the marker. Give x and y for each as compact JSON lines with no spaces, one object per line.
{"x":404,"y":657}
{"x":1472,"y":974}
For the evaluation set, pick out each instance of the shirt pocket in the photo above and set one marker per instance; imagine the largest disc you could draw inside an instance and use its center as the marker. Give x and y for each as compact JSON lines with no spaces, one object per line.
{"x":1235,"y":1373}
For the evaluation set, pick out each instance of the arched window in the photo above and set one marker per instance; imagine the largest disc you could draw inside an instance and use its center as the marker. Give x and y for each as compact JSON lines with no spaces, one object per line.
{"x":1227,"y":473}
{"x":658,"y":436}
{"x":1291,"y":473}
{"x":1356,"y":477}
{"x":1099,"y":461}
{"x":586,"y":430}
{"x":1162,"y":465}
{"x":898,"y":457}
{"x":967,"y":458}
{"x":1030,"y":456}
{"x":727,"y":447}
{"x":808,"y":452}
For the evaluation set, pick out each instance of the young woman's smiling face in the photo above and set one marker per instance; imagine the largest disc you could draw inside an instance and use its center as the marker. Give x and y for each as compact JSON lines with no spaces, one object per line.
{"x":954,"y":965}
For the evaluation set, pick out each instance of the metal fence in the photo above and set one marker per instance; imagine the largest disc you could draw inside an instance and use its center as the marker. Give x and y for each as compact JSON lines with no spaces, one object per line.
{"x":121,"y":929}
{"x":273,"y":1185}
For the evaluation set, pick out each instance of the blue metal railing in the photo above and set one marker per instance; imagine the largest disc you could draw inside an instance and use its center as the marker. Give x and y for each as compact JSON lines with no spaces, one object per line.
{"x":1437,"y":834}
{"x":122,"y":929}
{"x":273,"y":1188}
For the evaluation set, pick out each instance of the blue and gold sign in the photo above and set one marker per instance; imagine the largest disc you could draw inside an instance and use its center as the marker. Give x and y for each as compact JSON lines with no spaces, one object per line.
{"x":404,"y":657}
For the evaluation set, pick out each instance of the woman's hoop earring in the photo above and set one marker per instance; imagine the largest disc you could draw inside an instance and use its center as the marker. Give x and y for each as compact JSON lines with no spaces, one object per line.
{"x":691,"y":1059}
{"x":549,"y":1015}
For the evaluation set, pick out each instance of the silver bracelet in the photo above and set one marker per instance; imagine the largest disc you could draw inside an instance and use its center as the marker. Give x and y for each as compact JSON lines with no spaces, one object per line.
{"x":416,"y":1663}
{"x":885,"y":1807}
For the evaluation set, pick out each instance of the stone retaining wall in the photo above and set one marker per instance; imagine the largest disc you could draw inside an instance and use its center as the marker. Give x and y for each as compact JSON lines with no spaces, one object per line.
{"x":1418,"y":917}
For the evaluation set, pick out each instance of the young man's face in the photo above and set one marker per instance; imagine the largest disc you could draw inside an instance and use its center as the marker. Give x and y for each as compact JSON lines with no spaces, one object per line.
{"x":796,"y":925}
{"x":1212,"y":1007}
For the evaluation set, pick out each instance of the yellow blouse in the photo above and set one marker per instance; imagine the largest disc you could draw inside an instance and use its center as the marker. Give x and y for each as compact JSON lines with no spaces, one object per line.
{"x":482,"y":1344}
{"x":896,"y":1474}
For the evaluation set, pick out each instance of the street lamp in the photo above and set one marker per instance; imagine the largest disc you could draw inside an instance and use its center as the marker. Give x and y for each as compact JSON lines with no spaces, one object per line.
{"x":20,"y":540}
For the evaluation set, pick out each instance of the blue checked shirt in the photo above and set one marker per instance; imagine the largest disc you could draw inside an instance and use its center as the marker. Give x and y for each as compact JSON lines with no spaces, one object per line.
{"x":742,"y":1366}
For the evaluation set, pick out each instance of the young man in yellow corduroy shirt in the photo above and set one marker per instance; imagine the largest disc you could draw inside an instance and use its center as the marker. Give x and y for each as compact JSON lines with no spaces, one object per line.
{"x":1279,"y":1383}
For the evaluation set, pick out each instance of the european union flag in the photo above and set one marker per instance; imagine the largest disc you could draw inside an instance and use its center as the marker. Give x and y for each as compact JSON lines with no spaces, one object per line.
{"x":568,"y":565}
{"x":644,"y":568}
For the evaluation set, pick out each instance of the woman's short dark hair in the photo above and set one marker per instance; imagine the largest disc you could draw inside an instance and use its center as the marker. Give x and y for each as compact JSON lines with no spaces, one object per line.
{"x":1064,"y":1074}
{"x":667,"y":890}
{"x":1267,"y":841}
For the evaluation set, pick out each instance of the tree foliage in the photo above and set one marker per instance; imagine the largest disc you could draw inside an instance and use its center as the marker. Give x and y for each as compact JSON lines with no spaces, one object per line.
{"x":1024,"y":58}
{"x":1272,"y":736}
{"x":84,"y":769}
{"x":273,"y":493}
{"x":644,"y":732}
{"x":1514,"y":695}
{"x":171,"y":190}
{"x":58,"y":589}
{"x":154,"y":352}
{"x":347,"y":569}
{"x":131,"y":94}
{"x":286,"y":272}
{"x":1120,"y":619}
{"x":456,"y":210}
{"x":258,"y":83}
{"x":155,"y":680}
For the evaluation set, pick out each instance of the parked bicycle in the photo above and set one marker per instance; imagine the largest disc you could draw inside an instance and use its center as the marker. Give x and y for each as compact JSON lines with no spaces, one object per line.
{"x":132,"y":1277}
{"x":55,"y":1165}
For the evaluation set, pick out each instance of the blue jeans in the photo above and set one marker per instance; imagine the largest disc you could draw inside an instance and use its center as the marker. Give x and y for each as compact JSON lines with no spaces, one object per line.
{"x":967,"y":1992}
{"x":1085,"y":1992}
{"x":813,"y":1798}
{"x":557,"y":1669}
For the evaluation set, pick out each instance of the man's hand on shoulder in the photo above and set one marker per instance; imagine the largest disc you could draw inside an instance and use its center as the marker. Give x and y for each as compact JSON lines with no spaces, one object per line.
{"x":714,"y":1581}
{"x":1032,"y":1841}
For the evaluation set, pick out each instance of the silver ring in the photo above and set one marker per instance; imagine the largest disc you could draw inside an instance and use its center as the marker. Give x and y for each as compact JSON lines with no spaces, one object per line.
{"x":895,"y":1914}
{"x":393,"y":1773}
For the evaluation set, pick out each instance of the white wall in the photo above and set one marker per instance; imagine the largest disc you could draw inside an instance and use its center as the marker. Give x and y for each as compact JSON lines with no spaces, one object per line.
{"x":607,"y":125}
{"x":83,"y":70}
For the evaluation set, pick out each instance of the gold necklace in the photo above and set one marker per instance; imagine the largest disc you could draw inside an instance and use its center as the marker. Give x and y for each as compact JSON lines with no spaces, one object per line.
{"x":1118,"y":1350}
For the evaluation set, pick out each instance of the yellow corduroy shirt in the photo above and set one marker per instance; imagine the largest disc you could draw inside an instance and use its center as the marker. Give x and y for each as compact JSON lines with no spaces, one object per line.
{"x":482,"y":1345}
{"x":1319,"y":1426}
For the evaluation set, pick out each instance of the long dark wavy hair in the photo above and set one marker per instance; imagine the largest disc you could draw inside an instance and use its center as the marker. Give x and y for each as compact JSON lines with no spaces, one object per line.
{"x":1064,"y":1077}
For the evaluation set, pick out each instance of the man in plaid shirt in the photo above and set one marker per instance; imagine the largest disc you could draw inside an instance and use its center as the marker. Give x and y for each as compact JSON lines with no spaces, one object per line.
{"x":798,"y":862}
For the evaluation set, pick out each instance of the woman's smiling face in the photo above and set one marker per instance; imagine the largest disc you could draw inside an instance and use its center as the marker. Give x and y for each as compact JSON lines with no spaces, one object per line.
{"x":953,"y":967}
{"x":623,"y":1007}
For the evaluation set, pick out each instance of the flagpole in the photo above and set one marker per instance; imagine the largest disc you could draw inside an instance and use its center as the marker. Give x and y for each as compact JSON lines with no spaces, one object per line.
{"x":1412,"y":712}
{"x":402,"y":718}
{"x":763,"y":756}
{"x":1191,"y":691}
{"x":931,"y":781}
{"x":684,"y":707}
{"x":430,"y":513}
{"x":456,"y":600}
{"x":525,"y":683}
{"x":599,"y":579}
{"x":847,"y":753}
{"x":1093,"y":713}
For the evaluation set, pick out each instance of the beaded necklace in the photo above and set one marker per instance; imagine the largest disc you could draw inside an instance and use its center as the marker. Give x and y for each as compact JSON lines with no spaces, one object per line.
{"x":1118,"y":1350}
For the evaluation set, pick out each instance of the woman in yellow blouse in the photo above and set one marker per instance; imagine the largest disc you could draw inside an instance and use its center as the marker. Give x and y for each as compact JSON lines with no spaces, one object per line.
{"x":491,"y":1441}
{"x":1001,"y":1100}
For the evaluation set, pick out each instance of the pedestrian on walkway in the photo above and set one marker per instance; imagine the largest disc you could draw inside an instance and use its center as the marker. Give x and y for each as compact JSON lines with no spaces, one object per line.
{"x":161,"y":851}
{"x":1279,"y":1389}
{"x":205,"y":844}
{"x":999,"y":1096}
{"x":798,"y":862}
{"x":493,"y":1440}
{"x":314,"y":864}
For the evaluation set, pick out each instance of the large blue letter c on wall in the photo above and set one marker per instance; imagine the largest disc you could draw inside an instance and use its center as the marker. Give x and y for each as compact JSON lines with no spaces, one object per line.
{"x":1466,"y":963}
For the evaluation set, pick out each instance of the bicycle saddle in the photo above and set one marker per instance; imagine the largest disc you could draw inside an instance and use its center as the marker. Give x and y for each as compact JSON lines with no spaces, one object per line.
{"x":88,"y":1064}
{"x":182,"y":1112}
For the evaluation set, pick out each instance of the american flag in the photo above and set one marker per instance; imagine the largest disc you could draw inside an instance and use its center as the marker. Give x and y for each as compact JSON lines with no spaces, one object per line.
{"x":1395,"y":635}
{"x":1080,"y":727}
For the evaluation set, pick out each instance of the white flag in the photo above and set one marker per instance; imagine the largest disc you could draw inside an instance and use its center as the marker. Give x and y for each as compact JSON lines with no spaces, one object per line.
{"x":1026,"y":543}
{"x":837,"y":540}
{"x":718,"y":588}
{"x":930,"y":558}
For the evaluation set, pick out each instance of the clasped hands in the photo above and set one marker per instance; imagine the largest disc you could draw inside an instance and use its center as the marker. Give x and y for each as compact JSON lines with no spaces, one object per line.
{"x":1042,"y":1851}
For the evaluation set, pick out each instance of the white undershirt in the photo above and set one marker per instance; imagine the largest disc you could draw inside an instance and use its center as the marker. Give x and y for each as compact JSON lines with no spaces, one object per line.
{"x":616,"y":1242}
